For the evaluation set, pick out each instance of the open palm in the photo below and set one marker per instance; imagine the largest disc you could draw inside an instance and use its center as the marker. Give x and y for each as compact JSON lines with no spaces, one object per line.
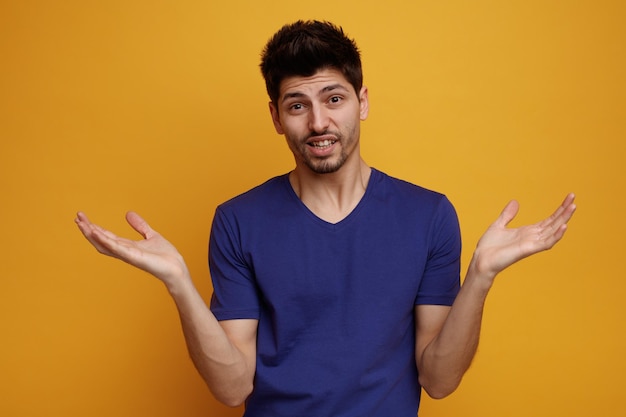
{"x":153,"y":254}
{"x":501,"y":247}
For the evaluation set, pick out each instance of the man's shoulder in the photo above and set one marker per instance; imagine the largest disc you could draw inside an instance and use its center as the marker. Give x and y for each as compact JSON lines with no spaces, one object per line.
{"x":403,"y":189}
{"x":272,"y":191}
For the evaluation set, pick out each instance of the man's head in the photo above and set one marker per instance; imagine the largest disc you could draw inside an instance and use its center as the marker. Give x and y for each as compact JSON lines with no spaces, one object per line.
{"x":305,"y":47}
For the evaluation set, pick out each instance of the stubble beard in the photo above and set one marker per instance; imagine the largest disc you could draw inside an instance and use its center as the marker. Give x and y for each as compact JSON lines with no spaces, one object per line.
{"x":326,"y":165}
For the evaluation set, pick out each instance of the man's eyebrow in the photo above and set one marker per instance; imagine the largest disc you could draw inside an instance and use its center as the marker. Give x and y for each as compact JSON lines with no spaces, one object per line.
{"x":297,"y":94}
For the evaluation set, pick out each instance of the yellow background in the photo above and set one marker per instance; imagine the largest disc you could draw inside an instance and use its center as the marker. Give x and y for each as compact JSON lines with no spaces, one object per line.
{"x":159,"y":107}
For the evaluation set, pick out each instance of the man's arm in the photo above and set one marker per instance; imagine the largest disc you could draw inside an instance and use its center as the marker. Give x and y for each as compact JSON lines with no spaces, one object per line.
{"x":223,"y":352}
{"x":447,"y":337}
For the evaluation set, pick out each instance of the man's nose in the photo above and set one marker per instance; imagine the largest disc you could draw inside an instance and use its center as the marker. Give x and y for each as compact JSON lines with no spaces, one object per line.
{"x":318,"y":119}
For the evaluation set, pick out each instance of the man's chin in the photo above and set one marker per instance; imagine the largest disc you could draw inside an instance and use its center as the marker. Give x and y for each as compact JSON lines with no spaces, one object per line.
{"x":325,"y":168}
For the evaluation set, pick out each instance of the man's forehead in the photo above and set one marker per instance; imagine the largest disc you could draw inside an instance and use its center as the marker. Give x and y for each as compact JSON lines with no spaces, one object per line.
{"x":318,"y":83}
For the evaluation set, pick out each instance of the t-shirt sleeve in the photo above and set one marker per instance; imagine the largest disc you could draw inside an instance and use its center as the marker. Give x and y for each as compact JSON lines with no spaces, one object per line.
{"x":441,"y":280}
{"x":234,"y":291}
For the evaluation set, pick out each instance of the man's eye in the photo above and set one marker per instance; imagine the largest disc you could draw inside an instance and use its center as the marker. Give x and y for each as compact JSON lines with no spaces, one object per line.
{"x":335,"y":99}
{"x":296,"y":106}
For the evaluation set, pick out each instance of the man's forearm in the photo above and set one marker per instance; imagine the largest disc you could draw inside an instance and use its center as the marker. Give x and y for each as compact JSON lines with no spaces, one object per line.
{"x":228,"y":369}
{"x":446,"y":359}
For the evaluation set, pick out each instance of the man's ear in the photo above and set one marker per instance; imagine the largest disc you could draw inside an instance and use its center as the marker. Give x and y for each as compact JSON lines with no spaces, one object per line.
{"x":364,"y":103}
{"x":276,"y":118}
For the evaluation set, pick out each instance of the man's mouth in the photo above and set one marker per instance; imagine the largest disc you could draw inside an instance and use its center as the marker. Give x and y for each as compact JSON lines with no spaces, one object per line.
{"x":322,"y":143}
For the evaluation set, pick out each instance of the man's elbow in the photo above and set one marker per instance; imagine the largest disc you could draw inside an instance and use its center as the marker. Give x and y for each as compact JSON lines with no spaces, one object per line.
{"x":232,"y":401}
{"x":233,"y":398}
{"x":440,"y":389}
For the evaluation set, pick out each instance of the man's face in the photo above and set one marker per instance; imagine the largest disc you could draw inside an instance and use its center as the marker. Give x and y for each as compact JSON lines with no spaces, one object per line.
{"x":320,"y":117}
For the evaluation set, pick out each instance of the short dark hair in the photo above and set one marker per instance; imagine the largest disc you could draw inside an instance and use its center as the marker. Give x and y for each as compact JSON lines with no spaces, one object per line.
{"x":305,"y":47}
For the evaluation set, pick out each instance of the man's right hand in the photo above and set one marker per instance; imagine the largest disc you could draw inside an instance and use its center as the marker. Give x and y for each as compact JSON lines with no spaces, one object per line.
{"x":223,"y":352}
{"x":153,"y":254}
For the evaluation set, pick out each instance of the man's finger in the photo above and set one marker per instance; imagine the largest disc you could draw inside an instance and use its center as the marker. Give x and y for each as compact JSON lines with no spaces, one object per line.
{"x":139,"y":224}
{"x":508,"y":213}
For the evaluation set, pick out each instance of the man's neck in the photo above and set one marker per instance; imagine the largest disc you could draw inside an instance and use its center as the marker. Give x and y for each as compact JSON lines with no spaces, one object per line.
{"x":331,"y":197}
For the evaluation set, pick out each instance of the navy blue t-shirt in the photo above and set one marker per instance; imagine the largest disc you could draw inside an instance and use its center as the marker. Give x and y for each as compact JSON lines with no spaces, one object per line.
{"x":335,"y":302}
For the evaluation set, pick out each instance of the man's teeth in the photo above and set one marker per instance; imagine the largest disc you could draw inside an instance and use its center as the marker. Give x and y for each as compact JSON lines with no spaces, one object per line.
{"x":323,"y":143}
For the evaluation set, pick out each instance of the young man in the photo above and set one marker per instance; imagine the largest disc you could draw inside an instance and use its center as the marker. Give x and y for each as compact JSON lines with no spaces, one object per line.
{"x":336,"y":287}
